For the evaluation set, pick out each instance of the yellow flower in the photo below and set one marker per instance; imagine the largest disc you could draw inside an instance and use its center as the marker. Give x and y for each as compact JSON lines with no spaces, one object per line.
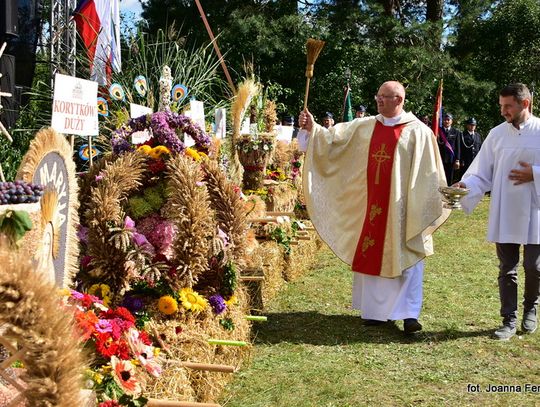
{"x":167,"y":305}
{"x":191,"y":300}
{"x":65,"y":292}
{"x":232,"y":301}
{"x":158,"y":151}
{"x":145,"y":149}
{"x":191,"y":152}
{"x":101,"y":291}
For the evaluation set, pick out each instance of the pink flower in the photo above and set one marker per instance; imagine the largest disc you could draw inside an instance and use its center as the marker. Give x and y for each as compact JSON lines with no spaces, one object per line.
{"x":103,"y":326}
{"x":223,"y":236}
{"x":129,"y":223}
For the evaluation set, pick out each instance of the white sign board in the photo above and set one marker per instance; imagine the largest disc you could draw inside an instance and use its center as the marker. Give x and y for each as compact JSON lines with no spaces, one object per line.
{"x":138,"y":110}
{"x":284,"y":133}
{"x":75,"y":106}
{"x":197,"y":113}
{"x":221,"y":123}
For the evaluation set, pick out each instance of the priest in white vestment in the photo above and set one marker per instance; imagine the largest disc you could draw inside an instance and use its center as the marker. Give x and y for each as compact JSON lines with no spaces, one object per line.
{"x":508,"y":165}
{"x":371,"y":188}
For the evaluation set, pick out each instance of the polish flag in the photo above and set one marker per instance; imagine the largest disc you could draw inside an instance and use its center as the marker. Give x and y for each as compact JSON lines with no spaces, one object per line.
{"x":98,"y":24}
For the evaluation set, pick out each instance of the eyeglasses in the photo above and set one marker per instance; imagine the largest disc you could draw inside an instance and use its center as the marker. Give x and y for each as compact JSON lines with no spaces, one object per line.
{"x":377,"y":97}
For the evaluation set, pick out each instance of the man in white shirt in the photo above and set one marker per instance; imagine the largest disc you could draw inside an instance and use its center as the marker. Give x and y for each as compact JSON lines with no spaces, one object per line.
{"x":508,"y":165}
{"x":370,"y":187}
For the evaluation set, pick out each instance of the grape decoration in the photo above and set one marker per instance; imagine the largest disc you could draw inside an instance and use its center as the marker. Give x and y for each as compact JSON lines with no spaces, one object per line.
{"x":19,"y":192}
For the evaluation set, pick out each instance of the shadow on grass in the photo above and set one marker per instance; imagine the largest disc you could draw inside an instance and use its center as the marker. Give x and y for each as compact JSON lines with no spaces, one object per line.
{"x":314,"y":328}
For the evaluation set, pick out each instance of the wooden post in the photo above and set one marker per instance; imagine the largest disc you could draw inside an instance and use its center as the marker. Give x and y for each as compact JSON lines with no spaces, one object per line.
{"x":91,"y":158}
{"x":171,"y":403}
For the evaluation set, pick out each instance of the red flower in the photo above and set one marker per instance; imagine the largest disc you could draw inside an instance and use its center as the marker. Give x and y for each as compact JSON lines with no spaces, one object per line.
{"x":110,"y":403}
{"x":106,"y":345}
{"x":122,"y":351}
{"x":156,"y":166}
{"x":143,"y":336}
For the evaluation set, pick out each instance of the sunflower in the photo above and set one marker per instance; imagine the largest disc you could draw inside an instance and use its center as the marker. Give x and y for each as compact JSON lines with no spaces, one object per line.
{"x":167,"y":305}
{"x":192,"y":300}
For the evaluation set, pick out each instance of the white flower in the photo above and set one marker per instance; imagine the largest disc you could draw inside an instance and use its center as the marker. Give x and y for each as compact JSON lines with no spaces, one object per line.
{"x":265,"y":147}
{"x":255,"y":146}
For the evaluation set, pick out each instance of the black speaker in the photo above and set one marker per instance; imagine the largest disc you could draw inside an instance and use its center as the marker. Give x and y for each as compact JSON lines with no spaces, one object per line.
{"x":9,"y":17}
{"x":10,"y":105}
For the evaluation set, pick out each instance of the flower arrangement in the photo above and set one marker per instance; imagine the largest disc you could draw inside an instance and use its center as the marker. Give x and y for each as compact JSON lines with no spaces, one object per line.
{"x":125,"y":358}
{"x":160,"y":129}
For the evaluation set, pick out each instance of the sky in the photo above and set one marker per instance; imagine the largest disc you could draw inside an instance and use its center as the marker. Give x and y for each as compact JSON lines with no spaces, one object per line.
{"x":131,"y":6}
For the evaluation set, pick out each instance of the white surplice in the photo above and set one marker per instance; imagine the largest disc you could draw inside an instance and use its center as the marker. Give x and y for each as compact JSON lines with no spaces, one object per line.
{"x":389,"y":298}
{"x":514,"y":213}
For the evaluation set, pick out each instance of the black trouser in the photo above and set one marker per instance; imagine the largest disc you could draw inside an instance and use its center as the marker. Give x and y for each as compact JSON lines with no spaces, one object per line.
{"x":449,"y":172}
{"x":508,"y":254}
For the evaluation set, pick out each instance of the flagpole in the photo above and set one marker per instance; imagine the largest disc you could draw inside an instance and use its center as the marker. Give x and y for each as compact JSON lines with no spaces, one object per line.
{"x":531,"y":106}
{"x":347,"y":93}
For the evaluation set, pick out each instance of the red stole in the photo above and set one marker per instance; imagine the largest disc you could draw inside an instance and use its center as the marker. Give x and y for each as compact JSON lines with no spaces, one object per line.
{"x":369,"y":251}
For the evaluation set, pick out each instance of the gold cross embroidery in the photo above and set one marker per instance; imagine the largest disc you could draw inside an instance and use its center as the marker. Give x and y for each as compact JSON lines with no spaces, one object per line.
{"x":368,"y":241}
{"x":380,"y":156}
{"x":375,"y":210}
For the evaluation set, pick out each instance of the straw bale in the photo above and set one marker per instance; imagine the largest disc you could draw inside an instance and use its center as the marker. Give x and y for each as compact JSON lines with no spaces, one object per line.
{"x":186,"y":339}
{"x":301,"y":258}
{"x":272,"y":261}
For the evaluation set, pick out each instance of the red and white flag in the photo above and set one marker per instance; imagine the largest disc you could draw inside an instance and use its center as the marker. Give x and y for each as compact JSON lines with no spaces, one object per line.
{"x":98,"y":24}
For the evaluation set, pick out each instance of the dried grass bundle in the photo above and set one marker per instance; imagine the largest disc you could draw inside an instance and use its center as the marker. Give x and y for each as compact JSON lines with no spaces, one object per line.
{"x":104,"y":211}
{"x":246,"y":91}
{"x":31,"y":316}
{"x":88,"y":180}
{"x":190,"y":211}
{"x":282,"y":155}
{"x":282,"y":198}
{"x":229,"y":208}
{"x":270,"y":116}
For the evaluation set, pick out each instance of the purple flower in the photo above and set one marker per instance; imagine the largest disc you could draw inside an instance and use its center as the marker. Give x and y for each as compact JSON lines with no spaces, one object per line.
{"x":165,"y":127}
{"x":85,"y":261}
{"x":217,"y":303}
{"x":134,"y":304}
{"x":82,"y":234}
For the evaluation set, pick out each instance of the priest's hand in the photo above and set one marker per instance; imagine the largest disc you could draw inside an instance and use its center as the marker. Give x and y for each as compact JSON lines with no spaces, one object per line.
{"x":305,"y":120}
{"x":459,"y":185}
{"x":522,"y":176}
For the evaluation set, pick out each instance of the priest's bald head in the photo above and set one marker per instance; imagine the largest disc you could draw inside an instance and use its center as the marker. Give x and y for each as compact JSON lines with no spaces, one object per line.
{"x":390,"y":99}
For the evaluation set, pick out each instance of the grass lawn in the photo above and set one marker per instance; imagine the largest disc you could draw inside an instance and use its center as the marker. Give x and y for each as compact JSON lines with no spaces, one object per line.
{"x":313,"y":351}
